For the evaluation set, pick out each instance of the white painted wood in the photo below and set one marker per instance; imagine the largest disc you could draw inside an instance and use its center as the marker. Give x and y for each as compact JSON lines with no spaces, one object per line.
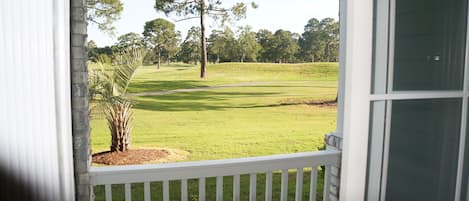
{"x":299,"y":184}
{"x":465,"y":108}
{"x":220,"y":188}
{"x":381,"y":47}
{"x":313,"y":184}
{"x":357,"y":17}
{"x":202,"y":189}
{"x":326,"y":186}
{"x":34,"y":47}
{"x":128,"y":192}
{"x":236,"y":182}
{"x":342,"y":68}
{"x":147,"y":191}
{"x":229,"y":167}
{"x":376,"y":154}
{"x":385,"y":160}
{"x":108,"y":192}
{"x":165,"y":190}
{"x":252,"y":186}
{"x":268,"y":186}
{"x":405,"y":95}
{"x":184,"y":171}
{"x":284,"y":186}
{"x":184,"y":190}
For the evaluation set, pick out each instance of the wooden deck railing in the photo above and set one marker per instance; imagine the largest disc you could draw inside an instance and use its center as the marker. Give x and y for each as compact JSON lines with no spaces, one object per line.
{"x":201,"y":170}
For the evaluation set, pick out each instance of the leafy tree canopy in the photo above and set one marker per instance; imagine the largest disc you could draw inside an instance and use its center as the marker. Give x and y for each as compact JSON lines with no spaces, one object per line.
{"x":104,"y":13}
{"x":160,"y":34}
{"x":191,"y":9}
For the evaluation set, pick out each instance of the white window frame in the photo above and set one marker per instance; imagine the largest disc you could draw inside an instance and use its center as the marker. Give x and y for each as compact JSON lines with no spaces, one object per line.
{"x":356,"y":17}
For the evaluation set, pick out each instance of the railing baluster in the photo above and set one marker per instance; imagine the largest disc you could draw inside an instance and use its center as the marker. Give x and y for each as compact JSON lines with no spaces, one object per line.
{"x":326,"y":183}
{"x":252,"y":186}
{"x":299,"y":184}
{"x":184,"y":190}
{"x":165,"y":190}
{"x":313,"y":184}
{"x":147,"y":191}
{"x":202,"y":189}
{"x":108,"y":191}
{"x":220,"y":188}
{"x":183,"y":172}
{"x":284,"y":188}
{"x":236,"y":188}
{"x":268,"y":186}
{"x":128,"y":192}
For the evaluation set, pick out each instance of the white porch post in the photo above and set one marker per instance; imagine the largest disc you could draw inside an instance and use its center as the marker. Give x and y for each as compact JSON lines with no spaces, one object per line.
{"x":356,"y":62}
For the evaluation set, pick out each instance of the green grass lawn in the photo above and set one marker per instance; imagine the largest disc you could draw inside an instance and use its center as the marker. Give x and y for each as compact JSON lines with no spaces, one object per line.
{"x":230,"y":122}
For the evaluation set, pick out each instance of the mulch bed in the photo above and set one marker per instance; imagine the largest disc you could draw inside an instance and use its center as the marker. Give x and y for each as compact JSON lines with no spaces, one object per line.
{"x":130,"y":157}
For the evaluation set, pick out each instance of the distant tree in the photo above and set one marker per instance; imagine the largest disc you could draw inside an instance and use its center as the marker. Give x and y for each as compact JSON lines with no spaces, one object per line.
{"x":223,"y":45}
{"x":130,"y":41}
{"x":282,"y":46}
{"x":310,"y":41}
{"x":216,"y":45}
{"x":230,"y":53}
{"x":159,"y":33}
{"x":320,"y":40}
{"x":330,"y":37}
{"x":104,"y":13}
{"x":265,"y":37}
{"x":172,"y":47}
{"x":248,"y":48}
{"x":190,"y":49}
{"x":92,"y":51}
{"x":191,"y":9}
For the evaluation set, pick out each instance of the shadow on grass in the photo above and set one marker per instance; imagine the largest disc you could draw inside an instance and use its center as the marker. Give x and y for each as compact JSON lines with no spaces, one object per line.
{"x":194,"y":101}
{"x":171,"y":65}
{"x":175,"y":188}
{"x":148,"y":85}
{"x":295,"y":86}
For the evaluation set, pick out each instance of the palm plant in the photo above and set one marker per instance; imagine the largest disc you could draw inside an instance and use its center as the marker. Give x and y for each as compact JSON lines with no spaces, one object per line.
{"x":108,"y":87}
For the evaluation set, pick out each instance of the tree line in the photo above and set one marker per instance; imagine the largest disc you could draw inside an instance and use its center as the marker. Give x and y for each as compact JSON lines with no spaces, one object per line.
{"x":318,"y":43}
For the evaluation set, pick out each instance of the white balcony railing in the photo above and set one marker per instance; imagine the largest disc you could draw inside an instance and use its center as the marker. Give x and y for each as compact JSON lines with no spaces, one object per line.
{"x":182,"y":172}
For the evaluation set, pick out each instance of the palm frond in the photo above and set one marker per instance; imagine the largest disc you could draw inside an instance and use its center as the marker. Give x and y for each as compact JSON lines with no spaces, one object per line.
{"x":127,"y":63}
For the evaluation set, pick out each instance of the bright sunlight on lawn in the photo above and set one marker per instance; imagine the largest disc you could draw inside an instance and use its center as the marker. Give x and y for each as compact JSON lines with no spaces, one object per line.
{"x":261,"y":112}
{"x":262,"y":117}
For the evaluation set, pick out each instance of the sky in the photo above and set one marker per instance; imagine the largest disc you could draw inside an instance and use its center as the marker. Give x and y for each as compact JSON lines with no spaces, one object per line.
{"x":289,"y":15}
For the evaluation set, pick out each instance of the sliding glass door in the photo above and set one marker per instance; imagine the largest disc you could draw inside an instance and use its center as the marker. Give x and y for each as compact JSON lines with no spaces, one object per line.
{"x":419,"y":102}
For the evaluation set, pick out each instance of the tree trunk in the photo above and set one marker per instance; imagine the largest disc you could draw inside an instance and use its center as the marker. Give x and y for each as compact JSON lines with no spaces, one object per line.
{"x":118,"y":116}
{"x":203,"y":62}
{"x":159,"y":58}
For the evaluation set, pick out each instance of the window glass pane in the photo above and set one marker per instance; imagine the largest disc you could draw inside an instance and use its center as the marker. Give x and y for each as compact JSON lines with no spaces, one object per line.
{"x":423,"y":150}
{"x":429,"y":44}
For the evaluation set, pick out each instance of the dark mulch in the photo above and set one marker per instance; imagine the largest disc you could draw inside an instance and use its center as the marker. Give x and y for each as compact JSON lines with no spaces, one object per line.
{"x":130,"y":157}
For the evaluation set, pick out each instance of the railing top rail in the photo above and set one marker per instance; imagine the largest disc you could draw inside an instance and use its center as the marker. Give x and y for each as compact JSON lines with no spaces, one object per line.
{"x":227,"y":167}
